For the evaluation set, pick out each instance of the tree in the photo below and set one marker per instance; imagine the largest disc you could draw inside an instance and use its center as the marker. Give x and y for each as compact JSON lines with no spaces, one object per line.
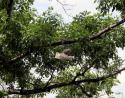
{"x":29,"y":42}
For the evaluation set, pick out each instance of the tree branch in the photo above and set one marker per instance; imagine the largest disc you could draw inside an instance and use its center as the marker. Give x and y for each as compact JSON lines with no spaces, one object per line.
{"x":64,"y":7}
{"x":2,"y":86}
{"x":58,"y":85}
{"x":48,"y":82}
{"x":82,"y":74}
{"x":9,"y":7}
{"x":93,"y":37}
{"x":65,"y":42}
{"x":97,"y":35}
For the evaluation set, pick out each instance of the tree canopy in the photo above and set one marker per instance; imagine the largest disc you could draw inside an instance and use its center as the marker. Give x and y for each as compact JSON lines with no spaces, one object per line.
{"x":29,"y":42}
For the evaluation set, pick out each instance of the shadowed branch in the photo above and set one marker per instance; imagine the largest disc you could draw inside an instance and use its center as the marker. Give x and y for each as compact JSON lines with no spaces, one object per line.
{"x":58,"y":85}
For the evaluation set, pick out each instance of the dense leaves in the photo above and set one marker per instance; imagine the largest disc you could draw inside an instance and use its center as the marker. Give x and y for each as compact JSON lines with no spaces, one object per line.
{"x":27,"y":51}
{"x":111,"y":5}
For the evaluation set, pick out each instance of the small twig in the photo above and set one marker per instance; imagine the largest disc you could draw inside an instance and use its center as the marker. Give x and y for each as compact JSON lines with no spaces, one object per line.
{"x":49,"y":80}
{"x":2,"y":87}
{"x":65,"y":10}
{"x":82,"y":74}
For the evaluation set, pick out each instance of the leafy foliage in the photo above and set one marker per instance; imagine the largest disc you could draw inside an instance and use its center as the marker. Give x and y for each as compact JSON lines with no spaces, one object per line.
{"x":111,"y":5}
{"x":27,"y":51}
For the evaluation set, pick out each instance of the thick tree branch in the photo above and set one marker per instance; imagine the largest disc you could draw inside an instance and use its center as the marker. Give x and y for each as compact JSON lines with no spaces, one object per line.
{"x":93,"y":37}
{"x":106,"y":30}
{"x":58,"y":85}
{"x":9,"y":7}
{"x":65,"y":42}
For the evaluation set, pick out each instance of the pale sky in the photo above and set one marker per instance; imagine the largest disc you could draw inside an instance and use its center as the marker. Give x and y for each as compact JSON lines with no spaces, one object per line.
{"x":73,"y":8}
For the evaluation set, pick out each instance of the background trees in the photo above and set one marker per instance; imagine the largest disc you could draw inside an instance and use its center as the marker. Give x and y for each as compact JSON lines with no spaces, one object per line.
{"x":29,"y":42}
